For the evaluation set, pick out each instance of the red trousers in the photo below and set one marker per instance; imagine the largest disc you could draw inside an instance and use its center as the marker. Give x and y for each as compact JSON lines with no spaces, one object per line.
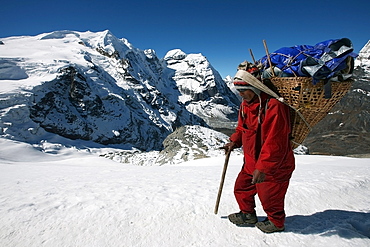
{"x":270,"y":193}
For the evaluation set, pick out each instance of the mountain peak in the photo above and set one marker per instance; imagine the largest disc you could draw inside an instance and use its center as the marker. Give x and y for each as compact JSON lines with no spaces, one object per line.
{"x":59,"y":35}
{"x":99,"y":88}
{"x":175,"y":54}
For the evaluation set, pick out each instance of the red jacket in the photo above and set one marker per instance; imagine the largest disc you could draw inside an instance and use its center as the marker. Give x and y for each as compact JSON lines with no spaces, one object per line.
{"x":266,"y":146}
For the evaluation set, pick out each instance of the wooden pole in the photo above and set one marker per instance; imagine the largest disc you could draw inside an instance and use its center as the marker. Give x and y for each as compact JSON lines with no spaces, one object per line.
{"x":222,"y":180}
{"x":268,"y":58}
{"x":254,"y":60}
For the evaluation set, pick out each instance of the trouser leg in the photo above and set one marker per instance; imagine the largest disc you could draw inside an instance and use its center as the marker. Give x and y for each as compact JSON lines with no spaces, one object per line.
{"x":272,"y":196}
{"x":244,"y":192}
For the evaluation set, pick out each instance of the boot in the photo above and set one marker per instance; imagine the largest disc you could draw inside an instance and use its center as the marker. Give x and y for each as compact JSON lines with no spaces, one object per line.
{"x":243,"y":218}
{"x":268,"y":227}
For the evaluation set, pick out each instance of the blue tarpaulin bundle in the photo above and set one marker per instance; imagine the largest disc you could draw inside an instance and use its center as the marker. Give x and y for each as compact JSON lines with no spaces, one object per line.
{"x":328,"y":60}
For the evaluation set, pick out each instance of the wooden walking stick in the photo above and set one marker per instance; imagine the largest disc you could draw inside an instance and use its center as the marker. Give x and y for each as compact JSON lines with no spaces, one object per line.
{"x":222,"y":180}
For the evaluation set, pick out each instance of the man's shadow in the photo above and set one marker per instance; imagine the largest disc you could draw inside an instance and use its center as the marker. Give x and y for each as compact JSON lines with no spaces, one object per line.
{"x":345,"y":224}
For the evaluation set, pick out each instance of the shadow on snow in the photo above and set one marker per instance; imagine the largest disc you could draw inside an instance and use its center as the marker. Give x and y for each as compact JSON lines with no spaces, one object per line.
{"x":345,"y":224}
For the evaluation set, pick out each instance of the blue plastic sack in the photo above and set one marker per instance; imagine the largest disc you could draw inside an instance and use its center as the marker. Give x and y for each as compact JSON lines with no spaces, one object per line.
{"x":325,"y":60}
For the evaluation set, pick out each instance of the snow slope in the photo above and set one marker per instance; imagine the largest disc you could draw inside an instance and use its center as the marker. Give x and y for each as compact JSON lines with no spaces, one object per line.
{"x":71,"y":197}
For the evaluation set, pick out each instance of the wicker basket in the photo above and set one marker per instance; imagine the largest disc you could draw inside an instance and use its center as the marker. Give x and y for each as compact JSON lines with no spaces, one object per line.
{"x":309,"y":102}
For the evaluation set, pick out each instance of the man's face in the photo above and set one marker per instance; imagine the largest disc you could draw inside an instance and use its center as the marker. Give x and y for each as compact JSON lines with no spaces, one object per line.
{"x":247,"y":95}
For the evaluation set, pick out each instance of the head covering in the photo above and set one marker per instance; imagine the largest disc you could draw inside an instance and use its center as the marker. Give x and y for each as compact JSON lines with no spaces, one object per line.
{"x":242,"y":85}
{"x":244,"y":78}
{"x":248,"y":77}
{"x":251,"y":68}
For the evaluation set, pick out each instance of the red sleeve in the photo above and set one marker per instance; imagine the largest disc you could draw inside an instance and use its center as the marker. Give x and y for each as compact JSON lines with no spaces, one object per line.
{"x":237,"y":136}
{"x":275,"y":137}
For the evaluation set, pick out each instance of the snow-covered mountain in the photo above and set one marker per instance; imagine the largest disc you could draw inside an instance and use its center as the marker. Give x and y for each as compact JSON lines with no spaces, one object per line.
{"x":96,"y":87}
{"x":363,"y":60}
{"x":99,"y":88}
{"x":202,"y":89}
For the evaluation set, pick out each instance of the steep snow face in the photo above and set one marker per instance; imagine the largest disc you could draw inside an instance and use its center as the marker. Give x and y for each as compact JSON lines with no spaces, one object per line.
{"x":202,"y":89}
{"x":364,"y":55}
{"x":363,"y":60}
{"x":96,"y":87}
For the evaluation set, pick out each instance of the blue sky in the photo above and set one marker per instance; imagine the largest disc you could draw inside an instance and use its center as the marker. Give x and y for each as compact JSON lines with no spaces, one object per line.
{"x":222,"y":30}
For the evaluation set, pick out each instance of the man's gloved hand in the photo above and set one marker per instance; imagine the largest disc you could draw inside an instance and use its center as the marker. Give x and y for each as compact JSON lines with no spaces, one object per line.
{"x":258,"y":177}
{"x":229,"y":147}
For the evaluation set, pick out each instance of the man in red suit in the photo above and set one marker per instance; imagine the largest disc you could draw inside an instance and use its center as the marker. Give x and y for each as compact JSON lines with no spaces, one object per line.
{"x":263,"y":131}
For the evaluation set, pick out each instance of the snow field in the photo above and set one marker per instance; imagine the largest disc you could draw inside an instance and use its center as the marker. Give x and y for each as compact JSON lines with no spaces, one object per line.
{"x":75,"y":198}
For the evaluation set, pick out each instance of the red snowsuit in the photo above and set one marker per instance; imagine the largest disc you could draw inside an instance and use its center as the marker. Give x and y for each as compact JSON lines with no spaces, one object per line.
{"x":267,"y":148}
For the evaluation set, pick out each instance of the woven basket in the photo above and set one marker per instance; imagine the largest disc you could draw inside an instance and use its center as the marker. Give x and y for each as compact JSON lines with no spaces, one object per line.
{"x":309,"y":102}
